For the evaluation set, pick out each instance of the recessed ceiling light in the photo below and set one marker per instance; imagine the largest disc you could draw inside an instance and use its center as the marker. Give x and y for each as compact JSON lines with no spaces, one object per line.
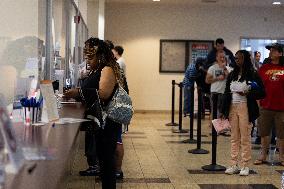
{"x":156,"y":0}
{"x":276,"y":3}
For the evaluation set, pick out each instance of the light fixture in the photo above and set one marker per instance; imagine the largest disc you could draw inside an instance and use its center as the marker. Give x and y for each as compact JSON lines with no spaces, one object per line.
{"x":156,"y":0}
{"x":276,"y":3}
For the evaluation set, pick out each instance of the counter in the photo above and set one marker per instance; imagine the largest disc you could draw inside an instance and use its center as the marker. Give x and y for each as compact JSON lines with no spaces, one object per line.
{"x":47,"y":174}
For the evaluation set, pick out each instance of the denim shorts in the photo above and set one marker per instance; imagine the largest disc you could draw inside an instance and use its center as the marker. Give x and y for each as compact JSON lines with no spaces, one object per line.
{"x":268,"y":119}
{"x":119,"y":137}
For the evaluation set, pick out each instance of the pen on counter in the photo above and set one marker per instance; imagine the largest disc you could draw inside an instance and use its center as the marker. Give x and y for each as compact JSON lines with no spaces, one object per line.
{"x":23,"y":103}
{"x":32,"y":168}
{"x":29,"y":104}
{"x":36,"y":109}
{"x":33,"y":108}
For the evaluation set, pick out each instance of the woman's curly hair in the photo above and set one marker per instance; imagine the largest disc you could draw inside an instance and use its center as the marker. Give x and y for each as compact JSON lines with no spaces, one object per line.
{"x":95,"y":47}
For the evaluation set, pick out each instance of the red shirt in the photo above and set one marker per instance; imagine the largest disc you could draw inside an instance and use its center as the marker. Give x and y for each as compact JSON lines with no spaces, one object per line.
{"x":272,"y":76}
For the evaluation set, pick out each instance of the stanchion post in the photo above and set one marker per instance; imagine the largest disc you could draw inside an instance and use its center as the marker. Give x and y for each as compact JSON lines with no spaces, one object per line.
{"x":199,"y":150}
{"x":180,"y":130}
{"x":214,"y":166}
{"x":191,"y":140}
{"x":173,"y":106}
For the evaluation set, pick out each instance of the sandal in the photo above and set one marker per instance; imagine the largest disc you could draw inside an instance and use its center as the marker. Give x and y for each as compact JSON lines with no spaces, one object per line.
{"x":260,"y":162}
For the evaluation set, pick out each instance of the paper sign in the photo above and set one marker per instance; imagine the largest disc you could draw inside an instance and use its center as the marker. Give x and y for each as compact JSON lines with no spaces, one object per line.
{"x":49,"y":101}
{"x":63,"y":121}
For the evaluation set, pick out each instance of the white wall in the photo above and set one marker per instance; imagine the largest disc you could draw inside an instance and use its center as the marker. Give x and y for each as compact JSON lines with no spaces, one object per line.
{"x":93,"y":17}
{"x":139,"y":27}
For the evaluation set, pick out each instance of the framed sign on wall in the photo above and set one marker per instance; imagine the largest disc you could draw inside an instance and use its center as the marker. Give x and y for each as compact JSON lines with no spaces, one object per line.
{"x":199,"y":49}
{"x":175,"y":55}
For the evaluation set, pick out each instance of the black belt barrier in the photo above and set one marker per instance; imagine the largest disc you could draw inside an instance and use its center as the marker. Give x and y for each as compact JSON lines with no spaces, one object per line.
{"x":199,"y":150}
{"x":191,"y":140}
{"x":173,"y":106}
{"x":213,"y":166}
{"x":180,"y":130}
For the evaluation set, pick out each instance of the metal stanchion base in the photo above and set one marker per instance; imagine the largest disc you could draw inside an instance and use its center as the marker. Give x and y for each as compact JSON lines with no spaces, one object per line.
{"x":190,"y":141}
{"x":198,"y":151}
{"x":213,"y":167}
{"x":171,"y":124}
{"x":180,"y":131}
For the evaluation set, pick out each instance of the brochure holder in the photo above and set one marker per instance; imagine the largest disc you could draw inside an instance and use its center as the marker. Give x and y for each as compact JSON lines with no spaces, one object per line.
{"x":49,"y":110}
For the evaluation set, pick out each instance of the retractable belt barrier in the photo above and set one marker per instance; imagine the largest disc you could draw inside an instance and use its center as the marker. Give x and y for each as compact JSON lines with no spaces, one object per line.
{"x":191,"y":121}
{"x":214,"y":166}
{"x":172,"y":123}
{"x":198,"y":149}
{"x":180,"y":130}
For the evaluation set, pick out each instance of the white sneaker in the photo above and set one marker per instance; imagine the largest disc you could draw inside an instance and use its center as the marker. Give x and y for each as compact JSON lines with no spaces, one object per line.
{"x":234,"y":169}
{"x":244,"y":171}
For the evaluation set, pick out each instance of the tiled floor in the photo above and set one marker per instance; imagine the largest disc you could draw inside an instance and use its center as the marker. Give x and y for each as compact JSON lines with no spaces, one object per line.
{"x":155,"y":158}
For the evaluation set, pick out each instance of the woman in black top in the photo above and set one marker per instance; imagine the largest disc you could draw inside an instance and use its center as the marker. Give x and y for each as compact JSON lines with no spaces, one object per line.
{"x":105,"y":77}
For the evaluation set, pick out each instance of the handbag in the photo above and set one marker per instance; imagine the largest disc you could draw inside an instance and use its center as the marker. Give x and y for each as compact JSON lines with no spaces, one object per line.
{"x":221,"y":125}
{"x":120,"y":109}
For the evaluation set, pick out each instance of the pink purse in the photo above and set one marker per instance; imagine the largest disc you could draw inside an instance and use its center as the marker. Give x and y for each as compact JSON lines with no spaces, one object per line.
{"x":221,"y":125}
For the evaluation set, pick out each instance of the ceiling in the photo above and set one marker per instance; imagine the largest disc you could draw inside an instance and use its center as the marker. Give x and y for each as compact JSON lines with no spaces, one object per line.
{"x":244,"y":3}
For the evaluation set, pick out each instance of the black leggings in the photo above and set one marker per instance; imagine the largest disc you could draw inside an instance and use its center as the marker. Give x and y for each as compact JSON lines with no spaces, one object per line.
{"x":90,"y":148}
{"x":106,"y":140}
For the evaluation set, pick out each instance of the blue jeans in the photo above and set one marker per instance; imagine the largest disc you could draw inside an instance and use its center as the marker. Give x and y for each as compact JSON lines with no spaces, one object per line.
{"x":187,"y":100}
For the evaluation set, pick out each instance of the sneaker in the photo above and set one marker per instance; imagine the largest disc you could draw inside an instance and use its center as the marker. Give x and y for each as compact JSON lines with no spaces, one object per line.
{"x":232,"y":170}
{"x":91,"y":171}
{"x":244,"y":171}
{"x":119,"y":175}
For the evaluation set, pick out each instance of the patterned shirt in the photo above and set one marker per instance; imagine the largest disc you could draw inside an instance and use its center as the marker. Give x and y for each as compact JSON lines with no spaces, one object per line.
{"x":190,"y":74}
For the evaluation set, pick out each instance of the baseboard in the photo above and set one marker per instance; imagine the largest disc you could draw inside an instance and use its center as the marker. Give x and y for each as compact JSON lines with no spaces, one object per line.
{"x":154,"y":111}
{"x":161,"y":112}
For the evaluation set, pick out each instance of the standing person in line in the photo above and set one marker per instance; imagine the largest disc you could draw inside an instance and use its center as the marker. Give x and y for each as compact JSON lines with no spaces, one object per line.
{"x":256,"y":63}
{"x":272,"y":106}
{"x":106,"y":78}
{"x":188,"y":84}
{"x":192,"y":74}
{"x":240,"y":107}
{"x":216,"y":76}
{"x":117,"y":52}
{"x":219,"y":46}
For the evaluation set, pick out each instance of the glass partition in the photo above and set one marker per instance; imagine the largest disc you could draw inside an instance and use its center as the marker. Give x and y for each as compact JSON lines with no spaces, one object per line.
{"x":258,"y":44}
{"x":45,"y":38}
{"x":70,"y":32}
{"x":70,"y":67}
{"x":22,"y":47}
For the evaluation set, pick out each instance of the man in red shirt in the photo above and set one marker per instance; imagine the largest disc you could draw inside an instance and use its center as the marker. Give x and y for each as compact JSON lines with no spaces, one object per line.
{"x":272,"y":106}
